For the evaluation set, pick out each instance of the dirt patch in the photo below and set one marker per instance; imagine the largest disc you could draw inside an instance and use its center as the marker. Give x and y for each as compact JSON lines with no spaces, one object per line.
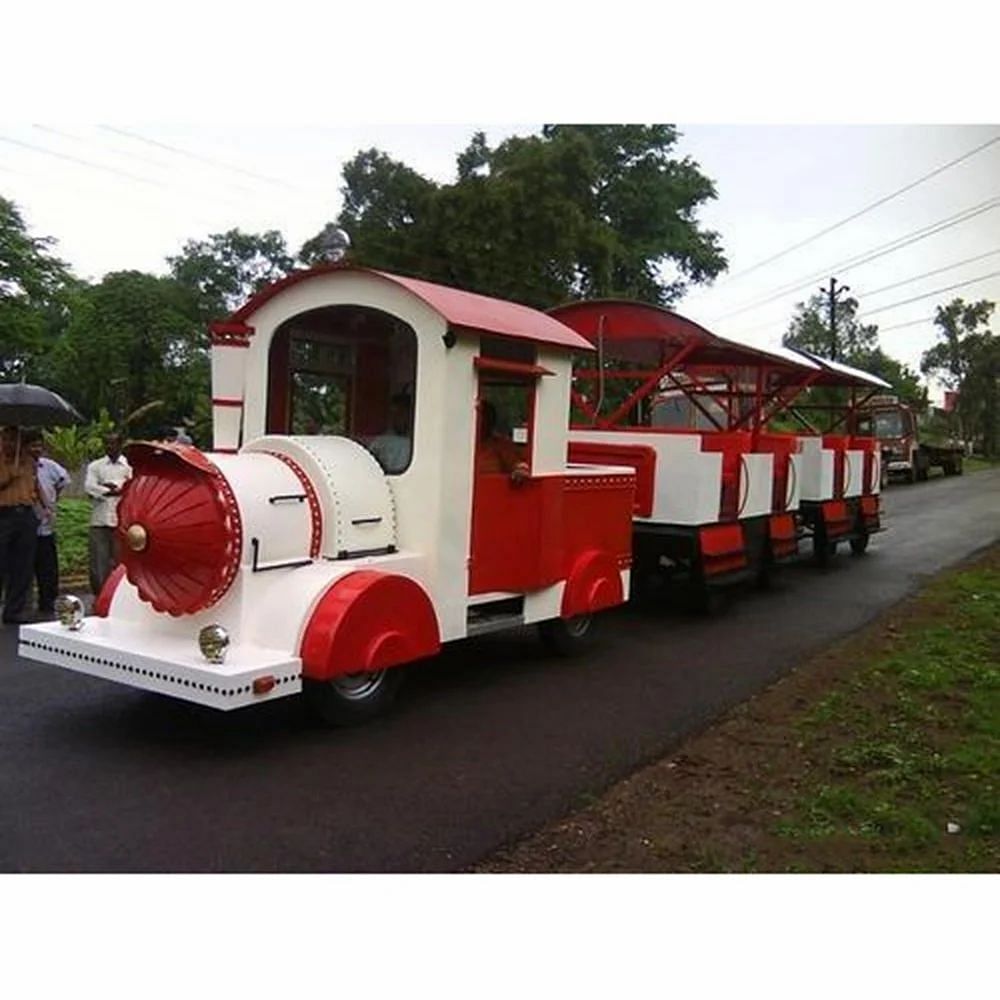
{"x":718,"y":803}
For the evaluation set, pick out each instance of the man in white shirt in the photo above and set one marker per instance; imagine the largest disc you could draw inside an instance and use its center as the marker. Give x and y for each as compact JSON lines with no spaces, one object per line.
{"x":105,"y":478}
{"x":52,"y":479}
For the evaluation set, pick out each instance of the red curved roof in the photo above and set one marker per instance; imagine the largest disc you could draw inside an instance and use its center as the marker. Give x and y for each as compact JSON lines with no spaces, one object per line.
{"x":458,"y":308}
{"x":626,"y":320}
{"x":642,"y":325}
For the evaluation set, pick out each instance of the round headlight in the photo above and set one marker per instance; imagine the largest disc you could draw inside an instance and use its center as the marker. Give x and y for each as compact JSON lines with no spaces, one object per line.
{"x":70,"y":611}
{"x":213,"y":641}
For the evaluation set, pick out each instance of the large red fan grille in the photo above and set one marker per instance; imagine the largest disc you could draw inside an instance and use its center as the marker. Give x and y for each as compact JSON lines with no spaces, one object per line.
{"x":193,"y":534}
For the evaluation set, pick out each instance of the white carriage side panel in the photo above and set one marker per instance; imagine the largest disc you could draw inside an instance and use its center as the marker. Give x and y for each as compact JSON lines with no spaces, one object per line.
{"x":688,"y":484}
{"x":756,"y":484}
{"x":854,"y":473}
{"x":817,"y":470}
{"x":793,"y":483}
{"x":551,"y":412}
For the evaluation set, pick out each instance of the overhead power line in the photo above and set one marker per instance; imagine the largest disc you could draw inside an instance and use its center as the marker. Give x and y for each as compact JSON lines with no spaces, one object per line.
{"x":900,"y":326}
{"x":79,"y":160}
{"x":867,"y":208}
{"x":867,"y":256}
{"x":927,"y":274}
{"x":928,"y":295}
{"x":219,"y":164}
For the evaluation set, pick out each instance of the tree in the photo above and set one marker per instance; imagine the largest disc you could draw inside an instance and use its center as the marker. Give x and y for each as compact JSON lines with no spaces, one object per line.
{"x":132,"y":338}
{"x":967,"y":361}
{"x":32,"y":286}
{"x":810,"y":330}
{"x":227,"y":268}
{"x":579,"y":211}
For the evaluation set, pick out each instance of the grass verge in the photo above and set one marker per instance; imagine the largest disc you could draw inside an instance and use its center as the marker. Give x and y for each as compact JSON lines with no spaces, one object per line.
{"x":880,"y":755}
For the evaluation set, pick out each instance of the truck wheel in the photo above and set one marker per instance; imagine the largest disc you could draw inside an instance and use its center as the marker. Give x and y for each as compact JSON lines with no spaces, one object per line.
{"x":568,"y":636}
{"x":956,"y":466}
{"x":351,"y":699}
{"x":922,"y":472}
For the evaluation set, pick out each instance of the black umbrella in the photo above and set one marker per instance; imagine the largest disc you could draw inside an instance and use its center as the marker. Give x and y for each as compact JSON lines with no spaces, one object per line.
{"x":23,"y":405}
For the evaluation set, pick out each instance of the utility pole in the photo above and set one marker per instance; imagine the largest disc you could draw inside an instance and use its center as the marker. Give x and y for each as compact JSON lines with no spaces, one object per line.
{"x":832,"y":292}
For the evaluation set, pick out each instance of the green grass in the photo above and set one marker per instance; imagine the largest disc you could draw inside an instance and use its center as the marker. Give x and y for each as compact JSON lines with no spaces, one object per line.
{"x":978,"y":464}
{"x":71,"y":536}
{"x":917,"y":744}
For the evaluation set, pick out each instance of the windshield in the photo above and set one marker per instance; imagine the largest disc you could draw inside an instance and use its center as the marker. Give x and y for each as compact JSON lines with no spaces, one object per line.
{"x":889,"y":423}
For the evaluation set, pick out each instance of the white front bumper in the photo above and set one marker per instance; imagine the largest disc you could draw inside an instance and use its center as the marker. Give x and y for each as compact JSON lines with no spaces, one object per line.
{"x":164,"y":664}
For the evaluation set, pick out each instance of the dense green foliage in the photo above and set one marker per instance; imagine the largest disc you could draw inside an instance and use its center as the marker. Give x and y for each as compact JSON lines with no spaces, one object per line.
{"x":855,"y":344}
{"x":33,"y":284}
{"x":579,"y":211}
{"x":967,"y":360}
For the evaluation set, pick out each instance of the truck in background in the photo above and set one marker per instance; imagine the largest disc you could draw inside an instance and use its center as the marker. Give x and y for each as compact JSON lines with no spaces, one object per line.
{"x":906,"y":452}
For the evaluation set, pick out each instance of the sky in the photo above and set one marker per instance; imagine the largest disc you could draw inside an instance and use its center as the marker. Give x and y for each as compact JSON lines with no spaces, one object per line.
{"x":129,"y":194}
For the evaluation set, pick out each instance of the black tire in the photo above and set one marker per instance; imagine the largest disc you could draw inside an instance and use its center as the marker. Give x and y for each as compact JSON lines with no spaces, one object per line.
{"x":956,"y":466}
{"x":354,"y":698}
{"x":568,"y":636}
{"x":859,"y":544}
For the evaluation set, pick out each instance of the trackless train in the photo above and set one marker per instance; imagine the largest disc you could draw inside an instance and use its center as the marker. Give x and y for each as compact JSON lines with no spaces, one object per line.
{"x":394,"y":468}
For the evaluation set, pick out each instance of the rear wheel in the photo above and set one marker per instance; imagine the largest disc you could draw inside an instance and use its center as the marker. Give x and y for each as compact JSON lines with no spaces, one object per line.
{"x":568,"y":636}
{"x":859,"y":544}
{"x":351,"y":699}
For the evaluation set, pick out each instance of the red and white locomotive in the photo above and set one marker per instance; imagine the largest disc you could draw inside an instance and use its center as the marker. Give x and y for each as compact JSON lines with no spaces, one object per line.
{"x":359,"y":507}
{"x":292,"y":556}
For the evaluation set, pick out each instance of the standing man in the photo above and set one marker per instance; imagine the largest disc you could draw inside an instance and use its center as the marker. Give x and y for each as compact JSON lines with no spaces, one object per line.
{"x":105,"y":478}
{"x":52,"y":479}
{"x":18,"y":524}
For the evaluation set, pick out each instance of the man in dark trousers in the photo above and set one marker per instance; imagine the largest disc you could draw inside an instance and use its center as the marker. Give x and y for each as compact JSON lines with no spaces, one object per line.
{"x":18,"y":524}
{"x":51,"y":479}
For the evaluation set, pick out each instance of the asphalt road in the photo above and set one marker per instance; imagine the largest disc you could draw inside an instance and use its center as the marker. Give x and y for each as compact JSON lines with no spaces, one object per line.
{"x":487,"y":742}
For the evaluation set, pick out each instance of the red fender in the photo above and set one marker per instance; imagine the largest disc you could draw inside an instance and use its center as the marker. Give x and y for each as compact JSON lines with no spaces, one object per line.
{"x":102,"y":603}
{"x":594,"y":583}
{"x":368,"y":620}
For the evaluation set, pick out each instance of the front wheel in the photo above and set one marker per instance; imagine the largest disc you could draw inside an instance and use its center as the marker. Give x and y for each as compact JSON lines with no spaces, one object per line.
{"x":568,"y":636}
{"x":352,"y":699}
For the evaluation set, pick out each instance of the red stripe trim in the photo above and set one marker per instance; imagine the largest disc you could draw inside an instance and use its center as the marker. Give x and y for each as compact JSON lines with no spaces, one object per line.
{"x":315,"y":511}
{"x":227,"y":402}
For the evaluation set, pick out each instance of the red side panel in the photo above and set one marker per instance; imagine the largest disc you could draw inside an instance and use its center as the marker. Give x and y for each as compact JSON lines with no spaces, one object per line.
{"x":836,"y":518}
{"x":368,"y":621}
{"x":733,"y":445}
{"x":531,"y":536}
{"x":784,"y":540}
{"x":640,"y":457}
{"x":722,"y":548}
{"x":516,"y":534}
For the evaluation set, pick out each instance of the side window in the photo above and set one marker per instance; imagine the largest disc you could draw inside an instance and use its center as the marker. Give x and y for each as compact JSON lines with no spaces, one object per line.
{"x":504,"y":425}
